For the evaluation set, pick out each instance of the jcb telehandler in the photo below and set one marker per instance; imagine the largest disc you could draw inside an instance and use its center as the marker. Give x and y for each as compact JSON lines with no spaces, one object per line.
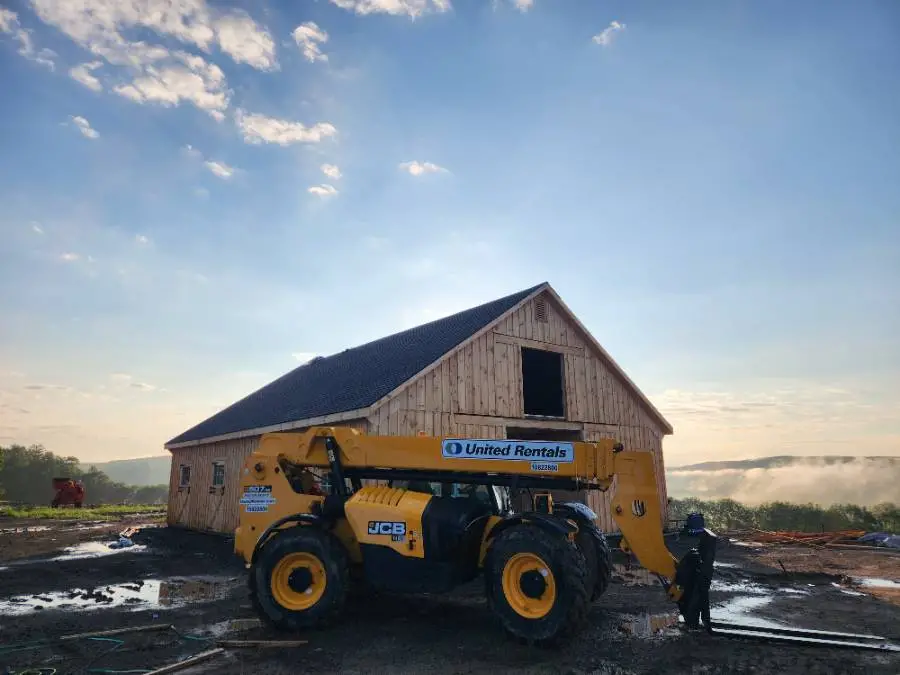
{"x":450,"y":522}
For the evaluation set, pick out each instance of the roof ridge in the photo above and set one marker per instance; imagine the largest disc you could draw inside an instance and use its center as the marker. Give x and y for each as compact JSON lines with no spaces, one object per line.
{"x":525,"y":292}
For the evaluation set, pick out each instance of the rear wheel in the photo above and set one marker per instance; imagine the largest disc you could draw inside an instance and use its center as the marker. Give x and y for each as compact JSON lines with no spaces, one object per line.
{"x":299,"y":579}
{"x":536,"y":584}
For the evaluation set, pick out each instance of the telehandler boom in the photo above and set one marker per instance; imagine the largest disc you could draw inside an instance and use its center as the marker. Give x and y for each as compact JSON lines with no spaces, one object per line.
{"x":450,"y":522}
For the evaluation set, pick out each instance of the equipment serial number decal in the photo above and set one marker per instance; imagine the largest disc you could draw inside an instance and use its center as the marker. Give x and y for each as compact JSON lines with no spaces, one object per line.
{"x":396,"y":530}
{"x":544,"y":466}
{"x":257,"y":498}
{"x":467,"y":448}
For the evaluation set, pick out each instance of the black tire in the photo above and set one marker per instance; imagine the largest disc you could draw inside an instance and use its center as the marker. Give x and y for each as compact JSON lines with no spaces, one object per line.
{"x":569,"y":610}
{"x":602,"y":562}
{"x":333,"y":560}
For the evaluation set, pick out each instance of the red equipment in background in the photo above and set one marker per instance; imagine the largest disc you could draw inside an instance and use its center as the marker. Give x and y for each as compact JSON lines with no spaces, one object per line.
{"x":68,"y":492}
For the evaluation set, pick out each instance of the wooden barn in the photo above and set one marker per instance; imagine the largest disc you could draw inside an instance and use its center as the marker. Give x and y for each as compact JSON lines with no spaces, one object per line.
{"x":519,"y":367}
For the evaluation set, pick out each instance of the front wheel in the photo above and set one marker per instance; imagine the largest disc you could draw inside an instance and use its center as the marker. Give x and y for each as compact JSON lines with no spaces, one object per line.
{"x":299,"y":579}
{"x":537,"y":585}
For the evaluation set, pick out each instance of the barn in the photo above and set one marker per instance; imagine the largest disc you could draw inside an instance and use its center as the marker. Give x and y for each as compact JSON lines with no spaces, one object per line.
{"x":522,"y":366}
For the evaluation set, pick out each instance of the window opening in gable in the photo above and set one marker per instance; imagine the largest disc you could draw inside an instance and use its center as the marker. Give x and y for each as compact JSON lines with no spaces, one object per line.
{"x":542,"y":382}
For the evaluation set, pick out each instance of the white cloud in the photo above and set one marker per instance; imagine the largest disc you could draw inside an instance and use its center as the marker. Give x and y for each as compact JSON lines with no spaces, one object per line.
{"x":69,"y":257}
{"x":420,"y":168}
{"x":523,"y":5}
{"x":331,"y":171}
{"x":9,"y":23}
{"x":97,"y":25}
{"x":37,"y":228}
{"x":303,"y":357}
{"x":85,"y":128}
{"x":82,"y":74}
{"x":411,"y":8}
{"x":158,"y":74}
{"x":141,"y":239}
{"x":605,"y":37}
{"x":323,"y":190}
{"x":220,"y":169}
{"x":245,"y":41}
{"x":261,"y":129}
{"x":309,"y":37}
{"x":196,"y":81}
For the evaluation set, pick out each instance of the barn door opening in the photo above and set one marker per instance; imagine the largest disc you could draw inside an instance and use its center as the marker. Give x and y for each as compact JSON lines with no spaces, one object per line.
{"x":523,"y":501}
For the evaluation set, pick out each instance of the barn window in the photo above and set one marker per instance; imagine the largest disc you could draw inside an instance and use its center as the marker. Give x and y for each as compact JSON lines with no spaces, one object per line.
{"x":184,"y":475}
{"x":540,"y":310}
{"x":542,"y":382}
{"x":218,"y":474}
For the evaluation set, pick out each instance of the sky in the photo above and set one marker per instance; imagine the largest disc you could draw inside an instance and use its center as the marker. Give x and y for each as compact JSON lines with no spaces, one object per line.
{"x":197,"y":196}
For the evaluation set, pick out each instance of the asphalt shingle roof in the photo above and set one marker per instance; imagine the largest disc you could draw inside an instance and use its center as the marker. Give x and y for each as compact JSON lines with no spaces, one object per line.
{"x":351,"y":379}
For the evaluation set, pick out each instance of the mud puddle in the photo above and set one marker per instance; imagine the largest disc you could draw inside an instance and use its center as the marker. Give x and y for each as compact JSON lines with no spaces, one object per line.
{"x":141,"y":595}
{"x":94,"y":549}
{"x":750,"y":598}
{"x":870,"y":582}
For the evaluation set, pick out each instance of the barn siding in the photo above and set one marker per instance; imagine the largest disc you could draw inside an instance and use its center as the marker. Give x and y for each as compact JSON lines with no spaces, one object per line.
{"x":484,"y":378}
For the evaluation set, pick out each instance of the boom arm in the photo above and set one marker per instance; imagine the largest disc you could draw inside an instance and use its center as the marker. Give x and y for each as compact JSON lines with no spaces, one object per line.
{"x":578,"y":466}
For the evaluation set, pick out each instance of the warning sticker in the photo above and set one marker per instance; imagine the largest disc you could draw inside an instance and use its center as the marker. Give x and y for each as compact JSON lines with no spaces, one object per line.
{"x":257,"y":498}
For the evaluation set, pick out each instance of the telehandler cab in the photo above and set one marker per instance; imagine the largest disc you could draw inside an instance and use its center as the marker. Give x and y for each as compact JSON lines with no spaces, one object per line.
{"x":436,"y":513}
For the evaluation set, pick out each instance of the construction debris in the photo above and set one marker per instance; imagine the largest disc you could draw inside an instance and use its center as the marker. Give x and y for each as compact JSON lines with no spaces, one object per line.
{"x":238,"y":644}
{"x":187,"y":663}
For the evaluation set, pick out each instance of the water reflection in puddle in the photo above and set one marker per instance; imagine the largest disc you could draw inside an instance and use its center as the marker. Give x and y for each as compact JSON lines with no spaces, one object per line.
{"x":93,"y":549}
{"x":144,"y":594}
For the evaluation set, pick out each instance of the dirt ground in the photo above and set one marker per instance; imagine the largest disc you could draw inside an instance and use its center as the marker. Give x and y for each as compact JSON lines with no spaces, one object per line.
{"x":194,"y":583}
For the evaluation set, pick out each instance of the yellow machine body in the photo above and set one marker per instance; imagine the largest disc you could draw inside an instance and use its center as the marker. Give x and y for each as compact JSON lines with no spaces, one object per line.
{"x":421,"y":540}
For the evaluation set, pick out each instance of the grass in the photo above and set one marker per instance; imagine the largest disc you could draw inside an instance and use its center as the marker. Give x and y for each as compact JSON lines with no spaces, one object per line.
{"x":109,"y":512}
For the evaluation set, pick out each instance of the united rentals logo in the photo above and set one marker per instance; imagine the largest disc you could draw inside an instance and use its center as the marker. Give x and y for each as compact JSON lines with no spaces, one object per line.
{"x":508,"y":450}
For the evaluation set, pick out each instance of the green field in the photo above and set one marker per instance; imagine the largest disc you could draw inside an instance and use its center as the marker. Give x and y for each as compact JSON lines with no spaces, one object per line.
{"x":111,"y":512}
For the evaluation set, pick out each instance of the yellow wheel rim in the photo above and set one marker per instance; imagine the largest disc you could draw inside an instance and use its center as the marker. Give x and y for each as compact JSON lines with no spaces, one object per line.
{"x":529,"y":586}
{"x":308,"y":568}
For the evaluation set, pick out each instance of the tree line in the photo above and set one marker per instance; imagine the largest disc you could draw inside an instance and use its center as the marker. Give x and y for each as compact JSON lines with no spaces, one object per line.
{"x":27,"y":473}
{"x":727,"y":514}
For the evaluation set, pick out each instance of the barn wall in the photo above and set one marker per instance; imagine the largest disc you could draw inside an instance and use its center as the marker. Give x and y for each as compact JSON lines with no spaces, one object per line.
{"x":483,"y":380}
{"x":199,"y":508}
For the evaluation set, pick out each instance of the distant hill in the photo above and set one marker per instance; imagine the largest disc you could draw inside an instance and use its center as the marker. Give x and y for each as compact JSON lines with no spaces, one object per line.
{"x":142,"y":471}
{"x":783,"y":460}
{"x":821,"y":480}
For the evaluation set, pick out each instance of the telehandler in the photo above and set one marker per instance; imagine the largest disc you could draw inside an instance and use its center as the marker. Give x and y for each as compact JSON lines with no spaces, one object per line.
{"x":426,"y":514}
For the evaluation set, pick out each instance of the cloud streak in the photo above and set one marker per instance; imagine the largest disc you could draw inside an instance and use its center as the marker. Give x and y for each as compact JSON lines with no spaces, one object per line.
{"x":421,"y":168}
{"x":606,"y":36}
{"x":310,"y":38}
{"x":412,"y":8}
{"x":85,"y":128}
{"x":257,"y":129}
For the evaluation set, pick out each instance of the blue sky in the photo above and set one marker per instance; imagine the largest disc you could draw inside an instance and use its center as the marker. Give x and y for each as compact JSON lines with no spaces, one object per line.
{"x":711,"y":187}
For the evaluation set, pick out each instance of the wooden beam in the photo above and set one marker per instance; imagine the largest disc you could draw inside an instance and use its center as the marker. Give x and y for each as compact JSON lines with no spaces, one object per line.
{"x":517,"y":422}
{"x":537,"y":344}
{"x":287,"y":426}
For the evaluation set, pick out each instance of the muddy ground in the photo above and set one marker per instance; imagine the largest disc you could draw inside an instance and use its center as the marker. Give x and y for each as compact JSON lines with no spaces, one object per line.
{"x":194,"y":583}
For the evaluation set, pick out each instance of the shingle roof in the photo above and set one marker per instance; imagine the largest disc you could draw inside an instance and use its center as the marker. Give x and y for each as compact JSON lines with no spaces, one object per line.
{"x":351,"y":379}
